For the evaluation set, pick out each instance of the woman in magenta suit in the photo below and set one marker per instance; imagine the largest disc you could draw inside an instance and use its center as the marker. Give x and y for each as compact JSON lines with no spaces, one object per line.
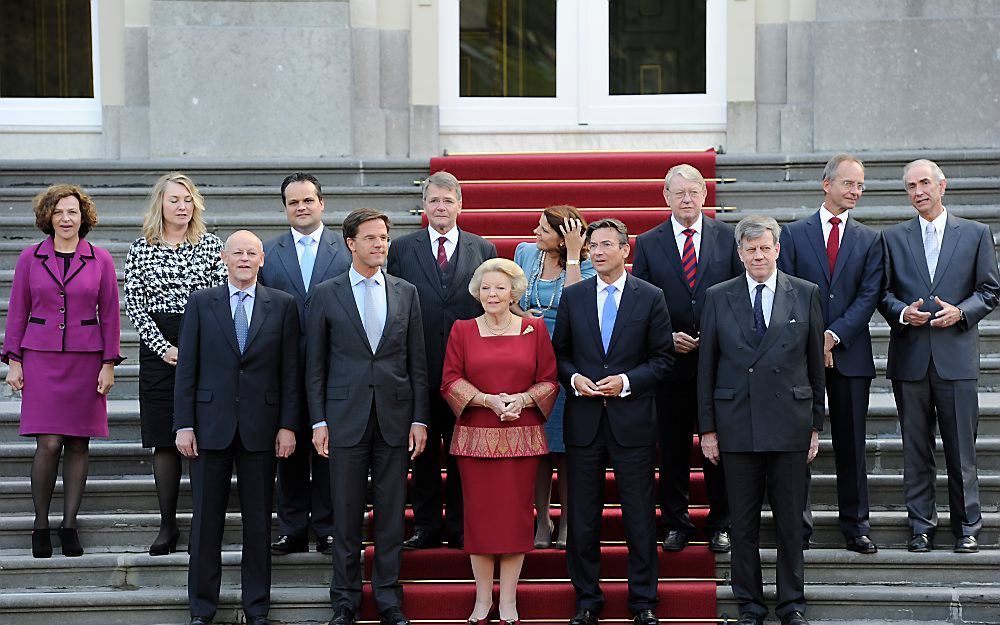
{"x":499,"y":379}
{"x":62,"y":343}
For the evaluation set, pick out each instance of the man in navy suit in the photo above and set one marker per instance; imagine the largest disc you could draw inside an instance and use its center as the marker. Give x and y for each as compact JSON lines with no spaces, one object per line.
{"x":941,"y":279}
{"x":614,"y":347}
{"x":298,"y":260}
{"x":831,"y":249}
{"x":684,"y":256}
{"x":236,"y":402}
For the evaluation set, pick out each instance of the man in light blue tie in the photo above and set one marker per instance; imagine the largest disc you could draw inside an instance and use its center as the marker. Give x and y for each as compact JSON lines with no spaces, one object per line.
{"x":614,"y":346}
{"x":366,"y":381}
{"x":941,"y":279}
{"x":300,"y":258}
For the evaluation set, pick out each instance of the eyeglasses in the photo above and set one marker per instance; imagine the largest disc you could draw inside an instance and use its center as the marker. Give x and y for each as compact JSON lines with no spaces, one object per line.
{"x":606,"y":246}
{"x":680,"y":195}
{"x":850,"y":184}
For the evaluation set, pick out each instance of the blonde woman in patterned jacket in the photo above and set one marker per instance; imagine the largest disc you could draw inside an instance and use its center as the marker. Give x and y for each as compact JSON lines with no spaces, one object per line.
{"x":174,"y":257}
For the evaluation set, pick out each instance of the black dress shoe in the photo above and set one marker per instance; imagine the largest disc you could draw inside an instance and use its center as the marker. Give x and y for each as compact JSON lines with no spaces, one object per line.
{"x":749,"y":618}
{"x":719,"y":542}
{"x":422,"y":539}
{"x":861,"y":544}
{"x":967,"y":544}
{"x":324,"y":544}
{"x":795,"y":618}
{"x":584,"y":617}
{"x":675,"y":540}
{"x":70,"y":540}
{"x":201,"y":620}
{"x":41,"y":543}
{"x":393,"y":616}
{"x":806,"y":544}
{"x":288,"y":544}
{"x":343,"y":616}
{"x":645,"y":617}
{"x":920,"y":543}
{"x":456,"y":542}
{"x":258,"y":620}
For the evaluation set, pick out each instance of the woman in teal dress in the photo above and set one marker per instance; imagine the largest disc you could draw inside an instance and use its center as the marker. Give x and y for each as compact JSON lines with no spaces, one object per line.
{"x":556,"y":260}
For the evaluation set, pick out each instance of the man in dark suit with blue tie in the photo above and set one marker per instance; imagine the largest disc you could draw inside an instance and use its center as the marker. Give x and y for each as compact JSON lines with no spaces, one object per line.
{"x":941,"y":280}
{"x":439,"y":260}
{"x":613,"y":345}
{"x":760,"y":401}
{"x":299,"y":260}
{"x":831,"y":249}
{"x":684,"y":256}
{"x":236,"y":402}
{"x":366,"y":382}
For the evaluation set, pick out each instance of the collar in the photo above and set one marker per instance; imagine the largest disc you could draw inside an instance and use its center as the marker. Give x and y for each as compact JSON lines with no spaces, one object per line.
{"x":316,"y":235}
{"x":939,"y":222}
{"x":618,"y":284}
{"x":679,"y":228}
{"x":356,"y":277}
{"x":451,"y":235}
{"x":252,"y":290}
{"x":770,"y":283}
{"x":825,"y":215}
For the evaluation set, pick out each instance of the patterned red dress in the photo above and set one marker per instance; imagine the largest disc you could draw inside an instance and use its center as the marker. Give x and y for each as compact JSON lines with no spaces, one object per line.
{"x":498,"y":459}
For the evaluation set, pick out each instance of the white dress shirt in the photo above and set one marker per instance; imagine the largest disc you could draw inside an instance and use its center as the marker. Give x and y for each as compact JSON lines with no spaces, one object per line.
{"x":247,"y":303}
{"x":939,"y":223}
{"x":450,"y":243}
{"x":824,"y":220}
{"x":316,"y":235}
{"x":767,"y":297}
{"x":680,"y":237}
{"x":602,"y":296}
{"x":378,"y":294}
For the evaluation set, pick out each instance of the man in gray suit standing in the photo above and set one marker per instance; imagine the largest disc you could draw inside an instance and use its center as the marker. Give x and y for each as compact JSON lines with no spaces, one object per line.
{"x":941,"y":279}
{"x":366,"y":381}
{"x":760,"y":407}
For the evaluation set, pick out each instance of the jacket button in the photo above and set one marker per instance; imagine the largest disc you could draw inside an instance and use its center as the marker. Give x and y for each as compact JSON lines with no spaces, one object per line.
{"x":62,"y":293}
{"x":62,"y":310}
{"x":62,"y":326}
{"x":831,"y":295}
{"x":237,"y":400}
{"x":751,"y":369}
{"x":694,"y":302}
{"x":777,"y":394}
{"x":777,"y":370}
{"x":605,"y":365}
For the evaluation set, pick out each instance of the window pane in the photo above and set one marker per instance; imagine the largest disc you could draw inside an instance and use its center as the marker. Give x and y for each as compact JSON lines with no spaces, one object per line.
{"x":45,"y":49}
{"x":657,"y":46}
{"x":507,"y":48}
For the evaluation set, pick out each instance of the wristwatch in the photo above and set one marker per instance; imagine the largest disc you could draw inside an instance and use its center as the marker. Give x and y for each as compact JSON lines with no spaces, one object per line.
{"x":572,"y":262}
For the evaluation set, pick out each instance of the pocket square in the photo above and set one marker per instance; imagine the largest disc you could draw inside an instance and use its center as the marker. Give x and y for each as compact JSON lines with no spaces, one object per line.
{"x":790,"y":321}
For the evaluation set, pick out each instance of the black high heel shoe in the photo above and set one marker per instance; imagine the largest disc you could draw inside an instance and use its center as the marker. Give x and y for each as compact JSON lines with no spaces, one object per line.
{"x":41,"y":543}
{"x":165,"y":547}
{"x":71,"y":547}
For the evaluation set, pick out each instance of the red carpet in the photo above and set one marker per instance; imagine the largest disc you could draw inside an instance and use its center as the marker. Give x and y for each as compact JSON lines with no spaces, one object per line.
{"x":502,"y":198}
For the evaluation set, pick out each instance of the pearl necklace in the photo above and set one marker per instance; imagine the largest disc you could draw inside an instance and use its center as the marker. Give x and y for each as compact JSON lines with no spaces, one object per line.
{"x":498,"y":331}
{"x":536,"y":276}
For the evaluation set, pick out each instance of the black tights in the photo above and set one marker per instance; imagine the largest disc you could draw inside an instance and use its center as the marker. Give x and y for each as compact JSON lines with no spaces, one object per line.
{"x":44,"y":469}
{"x":167,"y":474}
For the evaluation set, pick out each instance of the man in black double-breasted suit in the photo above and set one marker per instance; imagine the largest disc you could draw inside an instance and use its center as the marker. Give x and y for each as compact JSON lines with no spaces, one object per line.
{"x":760,"y":401}
{"x":439,"y":260}
{"x":299,"y":260}
{"x":236,"y":402}
{"x":613,"y":348}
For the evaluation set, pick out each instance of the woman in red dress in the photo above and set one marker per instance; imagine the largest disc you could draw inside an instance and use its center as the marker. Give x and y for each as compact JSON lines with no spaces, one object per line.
{"x":500,"y":380}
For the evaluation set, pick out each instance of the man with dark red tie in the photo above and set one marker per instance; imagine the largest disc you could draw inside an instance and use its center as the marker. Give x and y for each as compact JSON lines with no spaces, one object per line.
{"x":684,"y":256}
{"x":843,"y":257}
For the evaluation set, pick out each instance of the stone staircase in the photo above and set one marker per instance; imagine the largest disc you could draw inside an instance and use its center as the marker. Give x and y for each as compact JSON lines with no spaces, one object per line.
{"x":116,"y":582}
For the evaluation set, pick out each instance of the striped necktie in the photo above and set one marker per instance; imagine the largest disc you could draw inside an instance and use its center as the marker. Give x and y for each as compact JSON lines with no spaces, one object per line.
{"x":689,"y":261}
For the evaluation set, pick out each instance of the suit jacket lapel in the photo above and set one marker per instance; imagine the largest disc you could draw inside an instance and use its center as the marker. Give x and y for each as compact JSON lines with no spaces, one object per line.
{"x":814,"y":233}
{"x":739,"y":302}
{"x":427,"y":262}
{"x":625,"y":308}
{"x":261,"y":308}
{"x":46,"y":252}
{"x":669,"y":246}
{"x":84,"y":252}
{"x":590,"y":312}
{"x":224,"y":315}
{"x":465,"y":260}
{"x":289,"y":259}
{"x":345,"y":294}
{"x":709,"y":242}
{"x":948,"y":244}
{"x":847,"y":244}
{"x":326,"y":252}
{"x":391,"y":306}
{"x":781,"y":309}
{"x":916,"y":243}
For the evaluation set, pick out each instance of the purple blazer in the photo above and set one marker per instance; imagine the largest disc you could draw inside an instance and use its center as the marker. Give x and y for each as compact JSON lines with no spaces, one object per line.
{"x":52,"y":313}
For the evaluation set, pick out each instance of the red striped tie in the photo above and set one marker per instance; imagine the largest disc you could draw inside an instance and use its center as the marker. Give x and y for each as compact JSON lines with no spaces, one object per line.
{"x":833,"y":243}
{"x":688,"y":260}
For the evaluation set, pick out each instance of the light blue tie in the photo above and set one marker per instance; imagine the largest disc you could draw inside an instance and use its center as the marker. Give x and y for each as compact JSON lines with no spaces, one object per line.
{"x":931,"y":250}
{"x":373,"y":326}
{"x":240,"y":319}
{"x":608,"y":316}
{"x":308,"y":260}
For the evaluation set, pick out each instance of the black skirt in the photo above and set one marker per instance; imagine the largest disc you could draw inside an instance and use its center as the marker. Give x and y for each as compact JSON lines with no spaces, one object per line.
{"x":156,"y":386}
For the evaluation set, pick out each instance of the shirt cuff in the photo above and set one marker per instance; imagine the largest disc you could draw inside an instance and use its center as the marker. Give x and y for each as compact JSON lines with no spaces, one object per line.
{"x":321,"y":424}
{"x":836,"y":339}
{"x":901,"y":313}
{"x":626,"y":387}
{"x":572,"y":383}
{"x":423,"y":425}
{"x":185,"y":429}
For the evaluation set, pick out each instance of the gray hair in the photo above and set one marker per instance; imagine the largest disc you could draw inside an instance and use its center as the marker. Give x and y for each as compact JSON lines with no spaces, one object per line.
{"x":443,"y":180}
{"x":242,"y":233}
{"x":755,"y":226}
{"x":830,"y":171}
{"x":935,"y":170}
{"x":513,"y":271}
{"x":609,"y":222}
{"x":685,"y":171}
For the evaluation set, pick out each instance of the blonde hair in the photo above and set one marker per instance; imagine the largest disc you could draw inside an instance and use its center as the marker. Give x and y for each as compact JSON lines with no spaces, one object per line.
{"x":687,"y":172}
{"x":152,"y":223}
{"x":518,"y":281}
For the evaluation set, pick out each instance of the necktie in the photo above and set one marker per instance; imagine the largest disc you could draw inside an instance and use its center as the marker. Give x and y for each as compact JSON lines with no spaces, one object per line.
{"x":931,"y":249}
{"x":308,"y":260}
{"x":833,"y":242}
{"x":688,"y":259}
{"x":240,"y":320}
{"x":442,"y":254}
{"x":608,"y":316}
{"x":758,"y":312}
{"x":373,"y":327}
